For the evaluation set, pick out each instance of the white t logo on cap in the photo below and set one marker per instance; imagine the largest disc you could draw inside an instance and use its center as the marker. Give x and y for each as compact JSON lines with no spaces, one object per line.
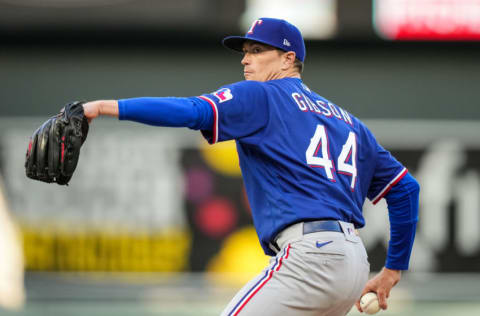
{"x":255,"y":23}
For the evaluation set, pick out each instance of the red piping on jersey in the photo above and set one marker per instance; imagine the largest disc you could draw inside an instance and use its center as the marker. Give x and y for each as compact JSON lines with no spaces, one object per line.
{"x":390,"y":186}
{"x":215,"y":118}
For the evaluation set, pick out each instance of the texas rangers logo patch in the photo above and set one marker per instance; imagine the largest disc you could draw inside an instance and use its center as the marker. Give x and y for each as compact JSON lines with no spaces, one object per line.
{"x":223,"y":95}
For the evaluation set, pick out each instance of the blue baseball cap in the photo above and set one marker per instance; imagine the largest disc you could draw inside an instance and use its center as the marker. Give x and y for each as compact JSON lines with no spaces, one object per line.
{"x":274,"y":32}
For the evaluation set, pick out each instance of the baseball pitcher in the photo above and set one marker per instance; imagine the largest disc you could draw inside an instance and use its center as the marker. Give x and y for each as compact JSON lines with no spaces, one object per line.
{"x":308,"y":165}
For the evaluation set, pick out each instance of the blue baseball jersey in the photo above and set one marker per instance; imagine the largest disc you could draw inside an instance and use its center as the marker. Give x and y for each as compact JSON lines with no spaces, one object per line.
{"x":302,"y":157}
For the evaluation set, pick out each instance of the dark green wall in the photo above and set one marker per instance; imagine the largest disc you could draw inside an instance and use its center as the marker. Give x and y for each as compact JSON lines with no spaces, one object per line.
{"x":372,"y":81}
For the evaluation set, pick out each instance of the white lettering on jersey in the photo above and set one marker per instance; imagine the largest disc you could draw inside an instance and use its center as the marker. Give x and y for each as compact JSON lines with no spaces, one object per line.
{"x":300,"y":101}
{"x":346,"y":116}
{"x":325,"y":111}
{"x":334,"y":110}
{"x":305,"y":104}
{"x":311,"y":105}
{"x":319,"y":141}
{"x":318,"y":155}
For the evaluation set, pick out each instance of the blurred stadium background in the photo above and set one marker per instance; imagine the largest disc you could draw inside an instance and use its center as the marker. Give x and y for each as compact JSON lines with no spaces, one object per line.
{"x":156,"y":222}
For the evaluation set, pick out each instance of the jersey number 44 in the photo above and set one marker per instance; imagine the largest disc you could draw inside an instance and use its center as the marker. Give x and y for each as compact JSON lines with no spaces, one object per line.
{"x":346,"y":161}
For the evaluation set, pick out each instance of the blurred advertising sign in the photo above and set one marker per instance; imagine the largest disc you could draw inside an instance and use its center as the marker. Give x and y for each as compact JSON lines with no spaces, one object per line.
{"x":442,"y":20}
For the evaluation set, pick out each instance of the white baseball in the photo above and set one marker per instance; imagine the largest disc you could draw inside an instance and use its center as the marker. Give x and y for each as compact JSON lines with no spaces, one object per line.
{"x":369,"y":303}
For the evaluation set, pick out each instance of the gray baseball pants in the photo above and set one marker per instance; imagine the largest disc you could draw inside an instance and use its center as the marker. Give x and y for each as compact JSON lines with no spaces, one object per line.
{"x":321,"y":273}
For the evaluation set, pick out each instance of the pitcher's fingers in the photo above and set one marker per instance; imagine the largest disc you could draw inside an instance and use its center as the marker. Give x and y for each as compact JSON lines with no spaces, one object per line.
{"x":382,"y":299}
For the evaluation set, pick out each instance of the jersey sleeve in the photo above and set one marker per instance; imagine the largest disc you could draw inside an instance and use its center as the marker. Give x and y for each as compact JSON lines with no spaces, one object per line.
{"x":387,"y":173}
{"x":174,"y":112}
{"x":239,"y":110}
{"x":402,"y":203}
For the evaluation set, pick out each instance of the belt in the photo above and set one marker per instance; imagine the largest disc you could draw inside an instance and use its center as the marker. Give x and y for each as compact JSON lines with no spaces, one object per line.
{"x":321,"y":226}
{"x":304,"y":228}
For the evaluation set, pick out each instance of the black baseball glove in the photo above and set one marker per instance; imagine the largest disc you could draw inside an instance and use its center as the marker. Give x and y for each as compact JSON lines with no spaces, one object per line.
{"x":54,"y":148}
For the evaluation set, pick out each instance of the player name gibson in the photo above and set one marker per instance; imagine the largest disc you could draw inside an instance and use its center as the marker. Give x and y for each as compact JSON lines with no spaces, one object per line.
{"x":327,"y":109}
